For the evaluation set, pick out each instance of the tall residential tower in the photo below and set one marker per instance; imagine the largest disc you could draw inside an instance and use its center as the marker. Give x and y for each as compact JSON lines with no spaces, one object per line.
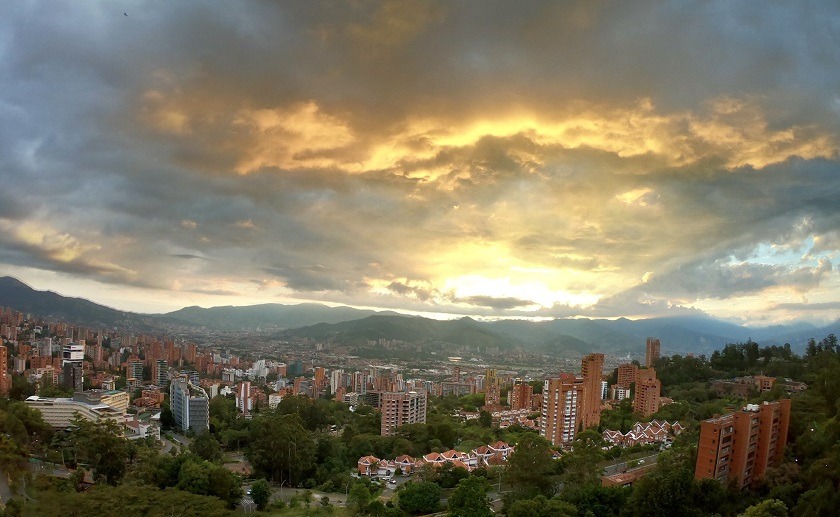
{"x":741,"y":446}
{"x":401,"y":408}
{"x":592,"y":371}
{"x":651,"y":352}
{"x":190,"y":405}
{"x":562,"y":409}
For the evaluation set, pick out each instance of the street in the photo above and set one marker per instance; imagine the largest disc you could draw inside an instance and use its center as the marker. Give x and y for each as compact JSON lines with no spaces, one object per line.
{"x":622,"y":466}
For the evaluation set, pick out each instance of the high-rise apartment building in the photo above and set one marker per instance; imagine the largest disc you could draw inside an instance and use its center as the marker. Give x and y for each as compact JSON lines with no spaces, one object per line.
{"x":360,"y":382}
{"x":741,"y":446}
{"x":244,"y":400}
{"x":191,"y":352}
{"x":492,"y":390}
{"x":320,"y":378}
{"x":134,"y":369}
{"x":190,"y":405}
{"x":72,"y":376}
{"x":5,"y":379}
{"x":651,"y":352}
{"x":160,"y":373}
{"x":72,"y":358}
{"x":648,"y":389}
{"x":336,"y":381}
{"x":401,"y":408}
{"x":520,"y":394}
{"x":626,"y":375}
{"x":592,"y":370}
{"x":562,"y":409}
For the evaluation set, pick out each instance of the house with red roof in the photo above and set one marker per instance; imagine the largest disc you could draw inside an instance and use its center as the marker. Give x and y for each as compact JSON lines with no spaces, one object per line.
{"x":368,"y":465}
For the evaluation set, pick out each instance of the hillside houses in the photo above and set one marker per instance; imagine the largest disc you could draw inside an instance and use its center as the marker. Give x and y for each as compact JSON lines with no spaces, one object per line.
{"x":484,"y":456}
{"x":644,"y":433}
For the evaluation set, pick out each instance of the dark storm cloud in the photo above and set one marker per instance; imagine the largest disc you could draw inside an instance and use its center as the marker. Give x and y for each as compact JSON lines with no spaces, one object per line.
{"x":338,"y":148}
{"x":186,"y":256}
{"x":718,"y":280}
{"x":823,"y":306}
{"x":495,"y":302}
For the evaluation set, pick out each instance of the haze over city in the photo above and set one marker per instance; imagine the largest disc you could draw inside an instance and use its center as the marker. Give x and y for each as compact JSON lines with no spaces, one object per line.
{"x":493,"y":159}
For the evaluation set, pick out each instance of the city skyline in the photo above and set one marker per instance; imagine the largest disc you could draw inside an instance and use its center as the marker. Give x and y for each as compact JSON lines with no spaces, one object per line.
{"x":483,"y":159}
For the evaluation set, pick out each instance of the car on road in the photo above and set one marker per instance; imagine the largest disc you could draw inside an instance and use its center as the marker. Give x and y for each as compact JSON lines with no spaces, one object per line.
{"x":392,"y":481}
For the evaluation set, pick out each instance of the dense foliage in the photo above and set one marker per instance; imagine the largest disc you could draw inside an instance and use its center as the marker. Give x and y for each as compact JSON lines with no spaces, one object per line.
{"x":315,"y":444}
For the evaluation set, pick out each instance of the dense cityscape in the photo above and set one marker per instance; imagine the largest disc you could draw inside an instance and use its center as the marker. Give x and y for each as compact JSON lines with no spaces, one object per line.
{"x":295,"y":428}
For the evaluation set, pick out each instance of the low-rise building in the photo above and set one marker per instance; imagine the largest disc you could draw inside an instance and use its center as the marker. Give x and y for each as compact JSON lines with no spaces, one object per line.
{"x":137,"y":430}
{"x":59,"y":412}
{"x":115,"y":398}
{"x":641,"y":433}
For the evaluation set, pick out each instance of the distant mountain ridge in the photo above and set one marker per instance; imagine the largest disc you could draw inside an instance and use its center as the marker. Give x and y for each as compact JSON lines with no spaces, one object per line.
{"x":47,"y":304}
{"x":464,"y":331}
{"x":268,"y":315}
{"x":683,"y":334}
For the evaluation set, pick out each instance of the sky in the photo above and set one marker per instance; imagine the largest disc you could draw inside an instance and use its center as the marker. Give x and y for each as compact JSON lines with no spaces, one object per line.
{"x":484,"y":158}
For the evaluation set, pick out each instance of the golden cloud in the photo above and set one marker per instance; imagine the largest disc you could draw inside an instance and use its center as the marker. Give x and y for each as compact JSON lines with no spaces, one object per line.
{"x":305,"y":136}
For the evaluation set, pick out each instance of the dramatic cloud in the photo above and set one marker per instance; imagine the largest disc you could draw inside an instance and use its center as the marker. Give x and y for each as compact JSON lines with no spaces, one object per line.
{"x":486,"y":158}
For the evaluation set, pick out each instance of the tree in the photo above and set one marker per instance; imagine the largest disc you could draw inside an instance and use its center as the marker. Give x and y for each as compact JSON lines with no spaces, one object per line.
{"x":598,"y":499}
{"x":485,"y":419}
{"x":204,"y":478}
{"x":206,"y":446}
{"x":580,"y":466}
{"x":24,"y":424}
{"x":541,"y":507}
{"x":470,"y":499}
{"x":530,"y":467}
{"x":102,"y":445}
{"x":449,"y":475}
{"x":419,"y":498}
{"x":359,"y":498}
{"x":13,"y":459}
{"x":260,"y":493}
{"x":167,"y":419}
{"x":51,"y":390}
{"x":281,"y":448}
{"x":126,"y":500}
{"x":767,"y":508}
{"x":223,"y":414}
{"x":21,"y":388}
{"x":672,"y":490}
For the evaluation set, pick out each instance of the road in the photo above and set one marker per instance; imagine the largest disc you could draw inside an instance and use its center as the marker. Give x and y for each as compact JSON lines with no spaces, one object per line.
{"x":5,"y":490}
{"x":178,"y":440}
{"x":622,"y":466}
{"x":167,"y":445}
{"x":49,"y":469}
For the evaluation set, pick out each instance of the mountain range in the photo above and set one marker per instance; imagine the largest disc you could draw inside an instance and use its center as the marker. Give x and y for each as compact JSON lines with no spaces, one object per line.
{"x":696,"y":333}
